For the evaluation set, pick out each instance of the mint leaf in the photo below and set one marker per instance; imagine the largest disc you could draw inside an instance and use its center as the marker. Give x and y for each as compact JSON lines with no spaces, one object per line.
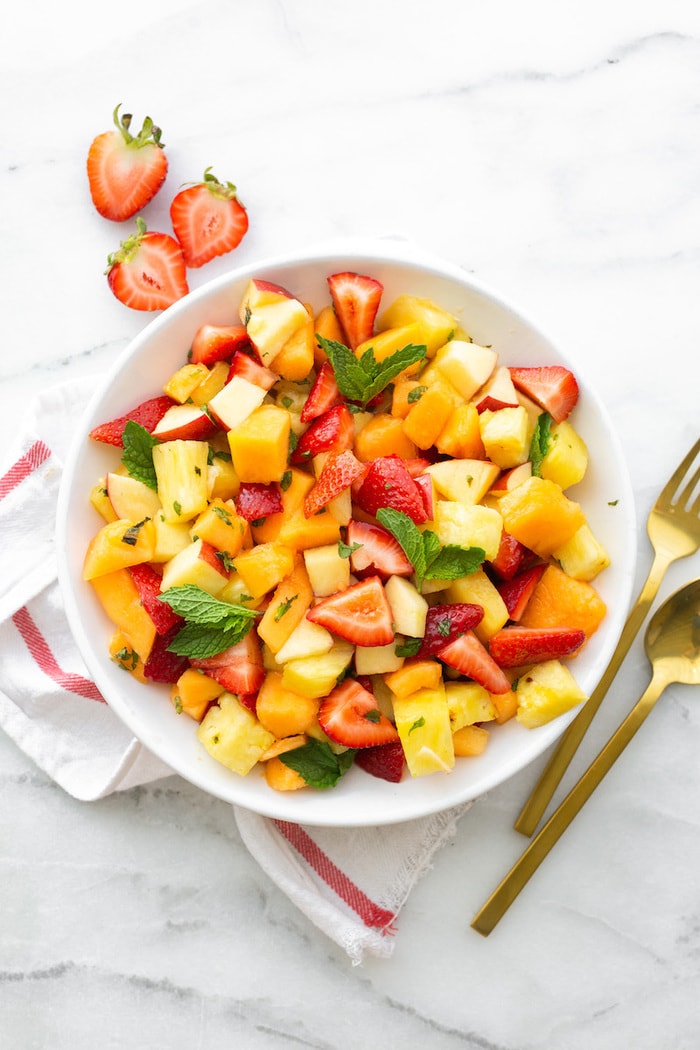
{"x":392,"y":366}
{"x":346,"y":549}
{"x":350,"y":376}
{"x":430,"y":561}
{"x":137,"y":456}
{"x":210,"y":624}
{"x":409,"y":647}
{"x":453,"y":562}
{"x":198,"y":640}
{"x":407,"y":534}
{"x":431,"y":545}
{"x":362,"y":379}
{"x":197,"y":606}
{"x":541,"y":440}
{"x":319,"y":766}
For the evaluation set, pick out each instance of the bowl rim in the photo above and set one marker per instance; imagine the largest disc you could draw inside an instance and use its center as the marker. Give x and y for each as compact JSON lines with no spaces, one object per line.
{"x":391,"y":251}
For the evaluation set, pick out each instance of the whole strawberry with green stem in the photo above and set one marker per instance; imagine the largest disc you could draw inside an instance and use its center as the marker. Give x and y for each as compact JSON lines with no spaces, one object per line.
{"x":208,"y":219}
{"x":125,"y":171}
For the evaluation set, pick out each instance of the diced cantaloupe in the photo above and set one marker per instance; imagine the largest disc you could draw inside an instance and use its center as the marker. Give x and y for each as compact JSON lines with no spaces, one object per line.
{"x":566,"y":459}
{"x":414,"y":675}
{"x":384,"y":344}
{"x":470,"y":741}
{"x":121,"y":600}
{"x":260,"y":445}
{"x":117,"y":545}
{"x":301,"y":533}
{"x":559,"y":600}
{"x":428,"y":416}
{"x":505,"y":705}
{"x":300,"y":484}
{"x":183,"y":478}
{"x":288,"y":607}
{"x":547,"y":690}
{"x":262,"y":567}
{"x":403,"y":396}
{"x":123,"y":653}
{"x":540,"y":516}
{"x":281,"y":777}
{"x":423,"y":722}
{"x":326,"y":324}
{"x":193,"y":693}
{"x":384,"y":435}
{"x":281,"y":711}
{"x":296,"y":358}
{"x":233,"y":735}
{"x":460,"y":438}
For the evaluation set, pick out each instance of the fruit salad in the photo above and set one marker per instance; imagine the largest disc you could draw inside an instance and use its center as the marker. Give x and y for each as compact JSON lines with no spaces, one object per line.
{"x":342,"y":534}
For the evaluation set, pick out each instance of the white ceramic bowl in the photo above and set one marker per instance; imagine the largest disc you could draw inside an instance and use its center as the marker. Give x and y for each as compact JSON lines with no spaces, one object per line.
{"x":359,"y":799}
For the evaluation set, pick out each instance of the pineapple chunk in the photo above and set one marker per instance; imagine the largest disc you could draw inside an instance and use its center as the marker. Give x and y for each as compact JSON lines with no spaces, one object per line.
{"x":181,"y":383}
{"x":566,"y":459}
{"x":547,"y":690}
{"x":423,"y":722}
{"x":469,"y":526}
{"x":409,"y":609}
{"x":583,"y":556}
{"x":100,"y":500}
{"x":260,"y":445}
{"x":435,"y":325}
{"x":506,"y":436}
{"x":233,"y":735}
{"x":328,"y":572}
{"x":183,"y":478}
{"x":463,"y":480}
{"x":468,"y":702}
{"x":479,"y":590}
{"x":307,"y":639}
{"x":316,"y":676}
{"x":467,"y":366}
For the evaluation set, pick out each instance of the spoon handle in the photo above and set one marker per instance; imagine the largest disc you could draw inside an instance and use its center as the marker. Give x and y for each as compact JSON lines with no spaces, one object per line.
{"x":531,"y":858}
{"x":545,"y":787}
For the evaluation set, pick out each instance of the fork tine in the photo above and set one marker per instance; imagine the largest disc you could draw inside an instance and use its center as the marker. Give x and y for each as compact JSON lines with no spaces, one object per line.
{"x":678,"y":475}
{"x":688,"y":491}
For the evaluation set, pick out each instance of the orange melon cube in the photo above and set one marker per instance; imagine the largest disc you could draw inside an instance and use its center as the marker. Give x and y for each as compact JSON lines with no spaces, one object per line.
{"x":540,"y":516}
{"x":281,"y":777}
{"x":403,"y":398}
{"x":428,"y":416}
{"x":384,"y":435}
{"x":414,"y":675}
{"x":263,"y":567}
{"x":470,"y":740}
{"x":293,"y":496}
{"x":327,"y":325}
{"x":260,"y":445}
{"x":193,"y":693}
{"x":120,"y":599}
{"x":220,"y":526}
{"x":117,"y":545}
{"x":122,"y":652}
{"x":283,"y":712}
{"x":300,"y":533}
{"x":461,"y":435}
{"x":386,"y":343}
{"x":505,"y":704}
{"x":559,"y":600}
{"x":288,"y":607}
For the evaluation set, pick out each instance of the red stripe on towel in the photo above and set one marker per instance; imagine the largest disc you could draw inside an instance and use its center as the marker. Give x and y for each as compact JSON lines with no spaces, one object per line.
{"x":370,"y":913}
{"x":37,"y":454}
{"x":41,"y":652}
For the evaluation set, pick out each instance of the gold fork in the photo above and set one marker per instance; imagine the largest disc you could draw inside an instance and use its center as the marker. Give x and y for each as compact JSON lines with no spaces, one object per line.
{"x":674,"y":530}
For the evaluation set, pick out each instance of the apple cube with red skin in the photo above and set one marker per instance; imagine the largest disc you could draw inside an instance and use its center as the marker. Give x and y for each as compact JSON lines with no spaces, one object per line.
{"x":196,"y":564}
{"x":271,"y":316}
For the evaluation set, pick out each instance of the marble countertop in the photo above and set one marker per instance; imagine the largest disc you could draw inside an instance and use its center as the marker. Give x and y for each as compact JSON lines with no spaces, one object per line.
{"x":552,"y":151}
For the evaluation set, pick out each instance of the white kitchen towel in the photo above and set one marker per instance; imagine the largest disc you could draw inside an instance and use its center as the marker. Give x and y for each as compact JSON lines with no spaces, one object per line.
{"x":352,"y":883}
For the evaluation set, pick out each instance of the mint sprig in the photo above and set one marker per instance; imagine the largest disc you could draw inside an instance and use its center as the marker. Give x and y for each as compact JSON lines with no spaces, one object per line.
{"x":541,"y":440}
{"x":138,"y":454}
{"x":361,"y":379}
{"x":211,"y":625}
{"x":429,"y":559}
{"x":317,"y":764}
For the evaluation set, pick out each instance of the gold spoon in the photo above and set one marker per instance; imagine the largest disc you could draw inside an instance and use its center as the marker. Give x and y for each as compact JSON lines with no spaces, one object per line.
{"x":672,"y":643}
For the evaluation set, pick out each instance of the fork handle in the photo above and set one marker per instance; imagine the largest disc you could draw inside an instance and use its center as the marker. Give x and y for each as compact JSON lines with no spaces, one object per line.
{"x":545,"y":787}
{"x":533,"y":855}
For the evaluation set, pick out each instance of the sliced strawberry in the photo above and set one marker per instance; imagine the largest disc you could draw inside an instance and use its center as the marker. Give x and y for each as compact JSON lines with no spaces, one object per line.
{"x":148,"y":583}
{"x":493,"y":404}
{"x":386,"y":761}
{"x":339,"y":472}
{"x":239,"y":668}
{"x":416,"y":467}
{"x":255,"y":500}
{"x":334,"y":431}
{"x":148,"y":414}
{"x":510,"y":557}
{"x":249,"y":700}
{"x":517,"y":591}
{"x":324,"y":394}
{"x":208,"y":220}
{"x":125,"y":171}
{"x":552,"y":387}
{"x":468,"y":656}
{"x":518,"y":646}
{"x":350,"y":716}
{"x":388,"y":484}
{"x":445,"y":623}
{"x":244,"y":366}
{"x":217,"y":342}
{"x":378,"y":552}
{"x":356,"y":299}
{"x":425,"y":487}
{"x":147,"y":272}
{"x":162,"y":665}
{"x":360,"y":614}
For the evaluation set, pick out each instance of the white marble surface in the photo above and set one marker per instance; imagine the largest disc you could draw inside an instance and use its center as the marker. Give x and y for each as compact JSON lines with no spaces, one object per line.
{"x":553,"y":150}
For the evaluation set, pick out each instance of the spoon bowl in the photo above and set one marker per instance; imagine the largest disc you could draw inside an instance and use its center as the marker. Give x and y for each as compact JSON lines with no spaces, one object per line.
{"x":672,"y":639}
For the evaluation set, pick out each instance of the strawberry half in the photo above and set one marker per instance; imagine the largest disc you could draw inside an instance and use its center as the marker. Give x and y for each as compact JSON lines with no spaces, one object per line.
{"x":339,"y":472}
{"x":324,"y":394}
{"x":356,"y":299}
{"x":148,"y":583}
{"x":510,"y":557}
{"x":208,"y":220}
{"x":148,"y":414}
{"x":147,"y":272}
{"x":239,"y":668}
{"x":378,"y":552}
{"x":350,"y":716}
{"x":386,"y":761}
{"x":518,"y":646}
{"x":334,"y":431}
{"x":256,"y":500}
{"x":388,"y":484}
{"x":445,"y":623}
{"x":216,"y":342}
{"x":162,"y":665}
{"x":468,"y":656}
{"x":125,"y":171}
{"x":552,"y":387}
{"x":516,"y":592}
{"x":360,"y":614}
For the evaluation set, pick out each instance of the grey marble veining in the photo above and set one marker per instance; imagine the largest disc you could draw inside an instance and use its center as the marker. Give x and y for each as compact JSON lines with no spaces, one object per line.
{"x":552,"y":151}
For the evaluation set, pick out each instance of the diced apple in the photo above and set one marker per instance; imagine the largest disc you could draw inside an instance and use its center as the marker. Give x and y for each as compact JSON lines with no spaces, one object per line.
{"x":185,"y":423}
{"x":131,"y":498}
{"x":270,"y":326}
{"x":196,"y":564}
{"x":235,"y":401}
{"x":467,"y":366}
{"x":233,"y":735}
{"x":423,"y":722}
{"x":377,"y":659}
{"x":328,"y":572}
{"x":469,"y":526}
{"x":510,"y":479}
{"x":181,"y":470}
{"x":463,"y":480}
{"x":307,"y":639}
{"x":499,"y":386}
{"x":220,"y":526}
{"x":409,"y":609}
{"x":506,"y":436}
{"x":547,"y":690}
{"x":281,"y":711}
